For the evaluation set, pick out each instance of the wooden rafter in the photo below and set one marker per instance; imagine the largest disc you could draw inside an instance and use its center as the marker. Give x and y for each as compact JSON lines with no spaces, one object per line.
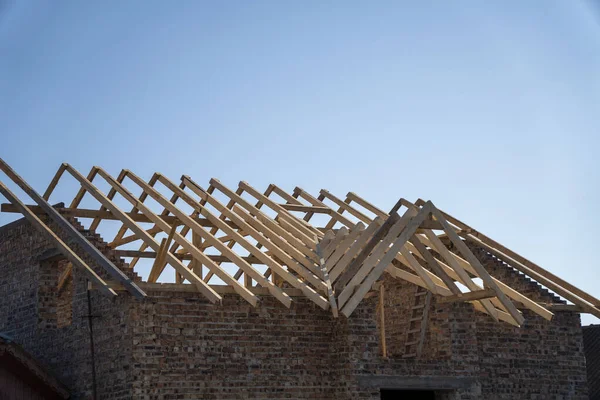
{"x":62,"y":246}
{"x":73,"y":233}
{"x":334,"y":268}
{"x":149,"y":240}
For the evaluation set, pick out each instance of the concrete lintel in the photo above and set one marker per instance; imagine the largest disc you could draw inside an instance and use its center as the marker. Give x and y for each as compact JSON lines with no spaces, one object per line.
{"x":416,"y":382}
{"x":51,"y":255}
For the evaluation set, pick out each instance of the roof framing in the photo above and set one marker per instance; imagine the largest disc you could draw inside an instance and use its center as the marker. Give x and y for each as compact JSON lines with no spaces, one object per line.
{"x":278,"y":251}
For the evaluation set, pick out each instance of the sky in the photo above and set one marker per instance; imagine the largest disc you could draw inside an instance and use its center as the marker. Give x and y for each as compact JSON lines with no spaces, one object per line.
{"x":488,"y":109}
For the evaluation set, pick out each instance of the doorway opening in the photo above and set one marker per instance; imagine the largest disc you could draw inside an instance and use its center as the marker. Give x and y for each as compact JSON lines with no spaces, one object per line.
{"x":387,"y":394}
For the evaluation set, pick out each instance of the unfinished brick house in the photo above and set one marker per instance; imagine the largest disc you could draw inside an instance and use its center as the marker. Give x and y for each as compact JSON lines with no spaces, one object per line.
{"x":278,"y":296}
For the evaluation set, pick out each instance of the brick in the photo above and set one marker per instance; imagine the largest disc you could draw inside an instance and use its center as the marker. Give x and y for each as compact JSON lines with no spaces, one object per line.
{"x":180,"y":346}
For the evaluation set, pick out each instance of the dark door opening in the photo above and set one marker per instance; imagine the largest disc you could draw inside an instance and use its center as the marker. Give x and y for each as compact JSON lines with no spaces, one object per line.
{"x":387,"y":394}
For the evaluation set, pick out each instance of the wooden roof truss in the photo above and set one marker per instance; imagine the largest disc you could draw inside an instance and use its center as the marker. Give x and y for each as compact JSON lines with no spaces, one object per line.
{"x":276,"y":250}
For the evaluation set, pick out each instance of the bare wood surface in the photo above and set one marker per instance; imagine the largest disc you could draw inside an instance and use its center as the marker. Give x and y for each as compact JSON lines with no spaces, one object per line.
{"x":266,"y":259}
{"x":481,"y":272}
{"x":344,"y":246}
{"x":73,"y":233}
{"x":64,"y":277}
{"x":303,"y":208}
{"x":52,"y":237}
{"x":318,"y":203}
{"x":297,"y":253}
{"x":104,"y":215}
{"x":379,"y":250}
{"x":355,"y":266}
{"x":177,"y":237}
{"x":424,"y":325}
{"x":541,"y":279}
{"x":149,"y":240}
{"x":522,"y":261}
{"x":330,"y":294}
{"x":469,"y":296}
{"x":386,"y":260}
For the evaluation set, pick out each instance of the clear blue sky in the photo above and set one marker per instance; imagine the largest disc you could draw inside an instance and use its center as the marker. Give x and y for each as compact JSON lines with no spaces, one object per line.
{"x":489,"y":109}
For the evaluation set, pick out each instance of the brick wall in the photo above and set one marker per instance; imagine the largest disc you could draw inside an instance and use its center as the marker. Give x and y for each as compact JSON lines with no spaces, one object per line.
{"x":186,"y":347}
{"x":547,"y":356}
{"x":37,"y":317}
{"x":180,"y":346}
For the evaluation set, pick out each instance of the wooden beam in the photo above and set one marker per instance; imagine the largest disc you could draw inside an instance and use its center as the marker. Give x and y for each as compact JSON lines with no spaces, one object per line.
{"x":307,"y":231}
{"x":447,"y":274}
{"x":566,"y":307}
{"x":481,"y":272}
{"x":64,"y":277}
{"x":196,"y":265}
{"x":399,"y":273}
{"x":161,"y":259}
{"x":340,"y":235}
{"x":148,"y":239}
{"x":282,"y":249}
{"x":292,"y":233}
{"x":330,"y":294}
{"x":356,"y":247}
{"x":257,"y":230}
{"x":316,"y":202}
{"x":55,"y":240}
{"x":159,"y":262}
{"x":294,"y":246}
{"x":189,"y":288}
{"x":177,"y":237}
{"x":225,"y":250}
{"x":303,"y":208}
{"x":252,"y":249}
{"x":469,"y":296}
{"x":356,"y":265}
{"x":344,"y":246}
{"x":368,"y":206}
{"x":309,"y":215}
{"x":412,"y":262}
{"x":510,"y":292}
{"x":186,"y":256}
{"x":345,"y":206}
{"x":429,"y":259}
{"x":522,"y":261}
{"x":281,"y":193}
{"x":73,"y":233}
{"x":105,"y":215}
{"x":464,"y":278}
{"x":381,"y":247}
{"x":327,"y":238}
{"x":418,"y":249}
{"x":409,"y":230}
{"x":539,"y":278}
{"x":54,"y":182}
{"x":184,"y":230}
{"x":111,"y":195}
{"x":424,"y":325}
{"x":134,"y":238}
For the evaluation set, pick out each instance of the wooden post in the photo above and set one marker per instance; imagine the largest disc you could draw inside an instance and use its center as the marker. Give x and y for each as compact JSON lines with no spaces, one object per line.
{"x":196,"y":265}
{"x":382,"y":321}
{"x":424,"y":323}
